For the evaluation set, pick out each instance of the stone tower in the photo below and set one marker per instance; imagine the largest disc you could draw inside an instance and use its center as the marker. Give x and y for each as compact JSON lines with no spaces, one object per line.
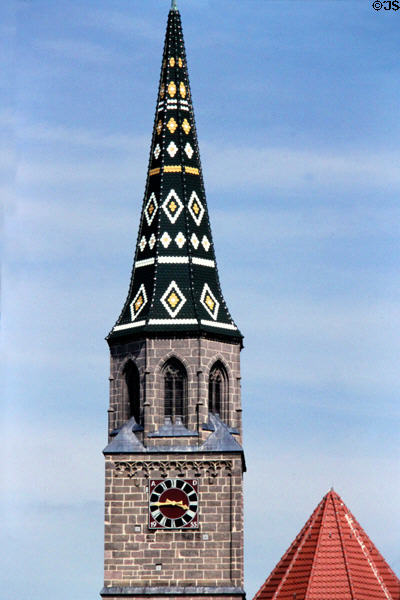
{"x":174,"y":461}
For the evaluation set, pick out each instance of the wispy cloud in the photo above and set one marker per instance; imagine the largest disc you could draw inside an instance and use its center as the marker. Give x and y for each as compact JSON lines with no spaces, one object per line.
{"x":61,"y":135}
{"x":293,"y":169}
{"x":46,"y":476}
{"x":271,"y":224}
{"x":349,"y":342}
{"x":97,"y":216}
{"x":241,"y":167}
{"x":78,"y":50}
{"x":51,"y":230}
{"x":227,"y":170}
{"x":117,"y":156}
{"x":7,"y":144}
{"x":66,"y":172}
{"x":118,"y":22}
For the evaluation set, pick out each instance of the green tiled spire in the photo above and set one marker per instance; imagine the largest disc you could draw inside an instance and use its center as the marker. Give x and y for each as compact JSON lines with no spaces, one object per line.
{"x":174,"y":285}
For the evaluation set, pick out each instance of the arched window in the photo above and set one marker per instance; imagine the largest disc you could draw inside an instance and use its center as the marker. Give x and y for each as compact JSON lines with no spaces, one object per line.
{"x":218,"y":390}
{"x":133,"y":388}
{"x":175,"y":391}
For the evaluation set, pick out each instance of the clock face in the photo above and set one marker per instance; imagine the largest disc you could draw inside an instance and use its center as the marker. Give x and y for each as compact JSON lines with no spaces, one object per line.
{"x":173,"y":504}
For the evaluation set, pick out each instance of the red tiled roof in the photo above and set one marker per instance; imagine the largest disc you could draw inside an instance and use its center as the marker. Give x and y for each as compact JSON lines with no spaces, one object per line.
{"x":332,"y":558}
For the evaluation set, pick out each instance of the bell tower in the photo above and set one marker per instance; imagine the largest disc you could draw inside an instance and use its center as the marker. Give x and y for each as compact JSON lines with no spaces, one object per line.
{"x":174,"y":459}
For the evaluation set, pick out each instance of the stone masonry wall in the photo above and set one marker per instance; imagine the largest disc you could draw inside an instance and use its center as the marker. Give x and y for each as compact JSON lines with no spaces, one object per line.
{"x":119,"y":401}
{"x":209,"y":556}
{"x":198,"y":356}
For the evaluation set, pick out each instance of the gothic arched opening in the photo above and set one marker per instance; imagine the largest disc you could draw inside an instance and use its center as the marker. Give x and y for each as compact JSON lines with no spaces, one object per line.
{"x":218,"y":390}
{"x":132,"y":382}
{"x":175,"y":391}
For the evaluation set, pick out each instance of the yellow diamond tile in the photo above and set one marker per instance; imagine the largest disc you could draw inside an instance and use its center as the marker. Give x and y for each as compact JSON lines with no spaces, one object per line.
{"x":173,"y":299}
{"x":196,"y":208}
{"x":182,"y":89}
{"x":180,"y":62}
{"x":172,"y":125}
{"x":210,"y":303}
{"x":159,"y":127}
{"x":172,"y":206}
{"x":162,"y":91}
{"x":186,"y":126}
{"x":172,"y":89}
{"x":172,"y":62}
{"x":138,"y":303}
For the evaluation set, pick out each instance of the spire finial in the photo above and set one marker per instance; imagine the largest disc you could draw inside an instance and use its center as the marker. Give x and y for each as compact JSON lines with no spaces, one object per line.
{"x":173,"y":5}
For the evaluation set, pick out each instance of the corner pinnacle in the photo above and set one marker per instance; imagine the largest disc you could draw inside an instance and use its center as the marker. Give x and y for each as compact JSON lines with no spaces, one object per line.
{"x":173,"y":5}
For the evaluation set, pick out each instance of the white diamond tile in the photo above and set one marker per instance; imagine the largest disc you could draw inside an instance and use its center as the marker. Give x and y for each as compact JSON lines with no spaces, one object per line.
{"x":165,"y":239}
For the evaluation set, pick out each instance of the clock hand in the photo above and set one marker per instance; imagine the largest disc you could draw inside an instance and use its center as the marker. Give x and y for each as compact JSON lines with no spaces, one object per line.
{"x":180,"y":504}
{"x":171,"y":503}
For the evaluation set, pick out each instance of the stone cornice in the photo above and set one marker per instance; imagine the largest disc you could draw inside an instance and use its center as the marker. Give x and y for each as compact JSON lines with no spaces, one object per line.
{"x":172,"y":591}
{"x":210,"y":468}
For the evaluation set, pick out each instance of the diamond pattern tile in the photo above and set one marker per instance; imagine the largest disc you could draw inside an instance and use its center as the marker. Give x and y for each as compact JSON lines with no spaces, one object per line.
{"x":172,"y":149}
{"x":151,"y":209}
{"x":175,"y":239}
{"x":173,"y":299}
{"x":180,"y":240}
{"x":165,"y":239}
{"x":172,"y":206}
{"x":189,"y":150}
{"x":196,"y":208}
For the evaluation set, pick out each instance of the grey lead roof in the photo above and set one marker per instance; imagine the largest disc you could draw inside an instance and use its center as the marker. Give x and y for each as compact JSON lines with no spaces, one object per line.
{"x":220,"y":440}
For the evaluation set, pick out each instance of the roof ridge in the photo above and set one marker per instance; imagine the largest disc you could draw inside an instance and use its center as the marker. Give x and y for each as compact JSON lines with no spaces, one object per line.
{"x":287,"y":552}
{"x":350,"y":520}
{"x":346,"y":562}
{"x":296,"y":554}
{"x":317,"y":544}
{"x":186,"y":193}
{"x":164,"y":67}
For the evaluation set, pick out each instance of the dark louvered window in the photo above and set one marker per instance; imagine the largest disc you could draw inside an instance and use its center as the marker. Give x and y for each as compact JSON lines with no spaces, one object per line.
{"x":133,"y":388}
{"x":175,"y":386}
{"x":218,"y":390}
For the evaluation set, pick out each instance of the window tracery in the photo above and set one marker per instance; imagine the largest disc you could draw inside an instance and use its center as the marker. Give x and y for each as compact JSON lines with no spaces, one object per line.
{"x":218,"y":390}
{"x":175,"y":391}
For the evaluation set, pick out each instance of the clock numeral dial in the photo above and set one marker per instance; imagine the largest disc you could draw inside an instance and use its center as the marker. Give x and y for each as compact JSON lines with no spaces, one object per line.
{"x":173,"y":504}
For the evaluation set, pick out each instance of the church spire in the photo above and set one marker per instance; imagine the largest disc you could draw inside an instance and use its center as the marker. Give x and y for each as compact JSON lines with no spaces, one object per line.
{"x":174,"y":284}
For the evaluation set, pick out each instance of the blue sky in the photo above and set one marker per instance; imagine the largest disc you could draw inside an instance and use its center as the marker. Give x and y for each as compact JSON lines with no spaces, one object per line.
{"x":296,"y":105}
